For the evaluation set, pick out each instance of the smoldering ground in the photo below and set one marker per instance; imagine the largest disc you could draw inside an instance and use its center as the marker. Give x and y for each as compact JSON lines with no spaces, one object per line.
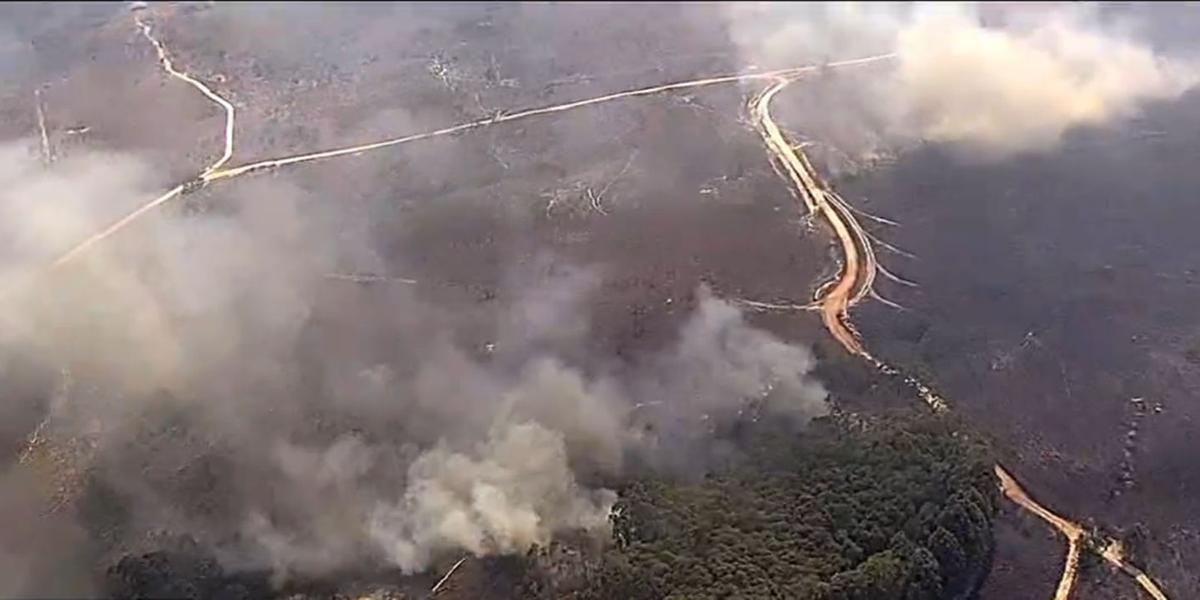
{"x":198,"y":374}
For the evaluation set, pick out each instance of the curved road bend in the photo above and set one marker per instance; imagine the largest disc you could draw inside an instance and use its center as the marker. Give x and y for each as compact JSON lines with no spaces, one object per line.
{"x":165,"y":60}
{"x":834,"y":300}
{"x":215,"y":173}
{"x":855,"y":281}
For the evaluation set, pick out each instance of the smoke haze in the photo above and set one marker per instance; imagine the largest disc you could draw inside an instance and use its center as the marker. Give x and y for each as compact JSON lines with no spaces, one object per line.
{"x":207,"y":382}
{"x":202,"y":372}
{"x":991,"y":81}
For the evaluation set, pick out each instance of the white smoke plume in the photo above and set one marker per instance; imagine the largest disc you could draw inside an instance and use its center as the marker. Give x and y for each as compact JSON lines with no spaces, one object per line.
{"x":1021,"y":88}
{"x":502,"y":489}
{"x":718,"y":357}
{"x":992,"y":81}
{"x":514,"y":490}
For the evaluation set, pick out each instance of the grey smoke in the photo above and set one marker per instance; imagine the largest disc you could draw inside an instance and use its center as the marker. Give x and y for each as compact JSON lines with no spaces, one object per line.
{"x":718,"y":357}
{"x":501,"y":477}
{"x":222,"y":391}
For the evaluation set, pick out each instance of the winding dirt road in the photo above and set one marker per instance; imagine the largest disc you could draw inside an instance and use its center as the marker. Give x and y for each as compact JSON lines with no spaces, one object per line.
{"x":165,"y":60}
{"x":215,"y":173}
{"x":854,"y":282}
{"x":834,"y":300}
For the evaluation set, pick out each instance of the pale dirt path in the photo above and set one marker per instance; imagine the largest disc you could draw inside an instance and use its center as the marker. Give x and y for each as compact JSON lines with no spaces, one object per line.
{"x":165,"y":60}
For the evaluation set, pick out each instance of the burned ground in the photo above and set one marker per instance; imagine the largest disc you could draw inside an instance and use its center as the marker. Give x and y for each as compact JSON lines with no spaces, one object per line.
{"x":1053,"y":291}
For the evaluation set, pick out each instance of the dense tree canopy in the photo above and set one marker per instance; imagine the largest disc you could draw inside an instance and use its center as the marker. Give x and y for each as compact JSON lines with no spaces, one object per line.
{"x":896,"y":509}
{"x":850,"y":509}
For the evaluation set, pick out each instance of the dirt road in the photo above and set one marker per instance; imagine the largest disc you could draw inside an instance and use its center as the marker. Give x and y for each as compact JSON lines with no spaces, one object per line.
{"x":855,"y":281}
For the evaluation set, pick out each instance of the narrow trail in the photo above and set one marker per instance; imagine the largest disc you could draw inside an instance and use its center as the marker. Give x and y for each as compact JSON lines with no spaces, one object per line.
{"x":1070,"y":530}
{"x":525,"y":114}
{"x":87,"y":244}
{"x":39,"y":447}
{"x":215,"y":173}
{"x":47,"y":150}
{"x":368,"y":278}
{"x":1113,"y":551}
{"x":438,"y":586}
{"x":165,"y":60}
{"x":855,"y":281}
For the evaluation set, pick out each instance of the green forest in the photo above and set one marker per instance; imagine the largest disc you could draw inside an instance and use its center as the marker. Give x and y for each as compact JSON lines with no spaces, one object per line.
{"x":850,"y":508}
{"x":897,"y":508}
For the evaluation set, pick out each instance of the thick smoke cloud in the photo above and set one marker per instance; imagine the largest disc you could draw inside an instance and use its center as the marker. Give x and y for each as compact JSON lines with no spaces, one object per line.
{"x":1020,"y":89}
{"x":513,"y":490}
{"x":989,"y":81}
{"x":221,"y":388}
{"x":512,"y":434}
